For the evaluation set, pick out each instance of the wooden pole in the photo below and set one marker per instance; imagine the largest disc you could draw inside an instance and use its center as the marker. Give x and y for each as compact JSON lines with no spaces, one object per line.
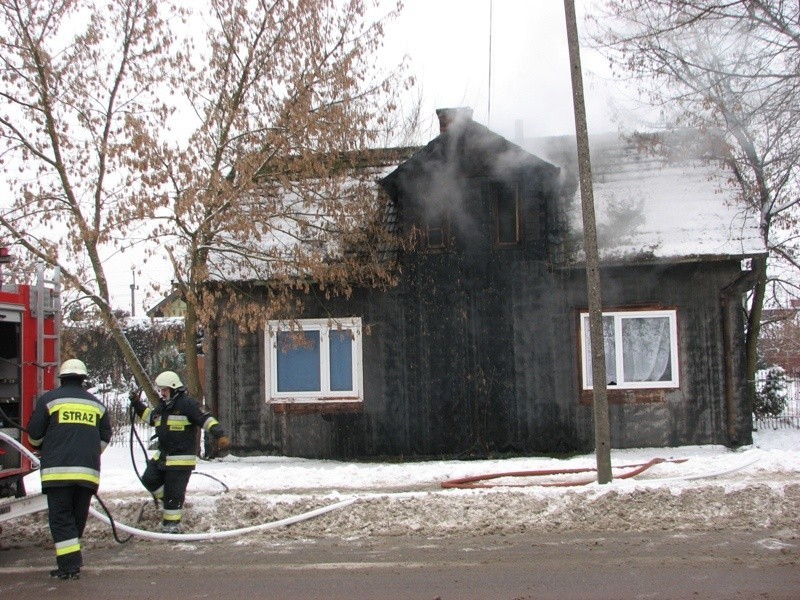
{"x":602,"y":436}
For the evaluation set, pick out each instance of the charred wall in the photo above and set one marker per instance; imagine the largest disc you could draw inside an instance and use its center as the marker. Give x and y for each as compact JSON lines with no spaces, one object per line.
{"x":480,"y":357}
{"x":476,"y":353}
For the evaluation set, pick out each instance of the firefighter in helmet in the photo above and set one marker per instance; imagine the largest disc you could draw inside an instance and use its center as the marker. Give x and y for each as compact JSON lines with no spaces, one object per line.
{"x":71,"y":428}
{"x":176,"y":419}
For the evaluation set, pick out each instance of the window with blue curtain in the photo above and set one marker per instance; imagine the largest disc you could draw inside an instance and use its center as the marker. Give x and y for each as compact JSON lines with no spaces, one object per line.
{"x":341,"y":360}
{"x":298,"y":359}
{"x":314,"y":359}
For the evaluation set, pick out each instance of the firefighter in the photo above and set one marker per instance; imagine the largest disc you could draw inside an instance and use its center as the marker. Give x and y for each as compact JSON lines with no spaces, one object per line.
{"x":176,"y":418}
{"x":70,"y":427}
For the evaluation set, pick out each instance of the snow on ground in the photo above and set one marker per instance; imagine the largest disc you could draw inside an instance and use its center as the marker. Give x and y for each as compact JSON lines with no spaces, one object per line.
{"x":754,"y":487}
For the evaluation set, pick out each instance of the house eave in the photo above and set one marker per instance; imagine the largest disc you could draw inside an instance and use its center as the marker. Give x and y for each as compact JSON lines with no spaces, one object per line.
{"x":645,"y":260}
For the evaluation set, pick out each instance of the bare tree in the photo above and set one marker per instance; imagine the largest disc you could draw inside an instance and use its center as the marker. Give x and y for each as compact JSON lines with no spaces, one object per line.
{"x":284,"y":98}
{"x":77,"y":123}
{"x":233,"y":126}
{"x":730,"y":71}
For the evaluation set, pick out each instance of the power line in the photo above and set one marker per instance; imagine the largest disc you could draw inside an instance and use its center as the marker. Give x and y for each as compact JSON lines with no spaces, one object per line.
{"x":489,"y":93}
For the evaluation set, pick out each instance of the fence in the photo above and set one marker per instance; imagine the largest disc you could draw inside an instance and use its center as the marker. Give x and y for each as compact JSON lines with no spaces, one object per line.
{"x":790,"y":417}
{"x":122,"y":433}
{"x":118,"y":406}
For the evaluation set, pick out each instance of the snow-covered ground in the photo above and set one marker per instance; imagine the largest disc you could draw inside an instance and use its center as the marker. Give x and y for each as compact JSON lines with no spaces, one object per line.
{"x":754,"y":487}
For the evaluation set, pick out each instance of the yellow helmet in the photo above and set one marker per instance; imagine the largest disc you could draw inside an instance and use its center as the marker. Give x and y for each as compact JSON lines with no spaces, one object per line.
{"x":73,"y":368}
{"x":168,"y":379}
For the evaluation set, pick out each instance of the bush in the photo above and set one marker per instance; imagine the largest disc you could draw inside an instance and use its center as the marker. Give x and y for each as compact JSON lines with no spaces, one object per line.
{"x":770,"y":400}
{"x":157,"y":343}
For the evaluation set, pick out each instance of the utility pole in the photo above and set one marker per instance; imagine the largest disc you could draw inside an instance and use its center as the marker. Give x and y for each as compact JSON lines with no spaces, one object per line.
{"x":133,"y":291}
{"x":602,"y":436}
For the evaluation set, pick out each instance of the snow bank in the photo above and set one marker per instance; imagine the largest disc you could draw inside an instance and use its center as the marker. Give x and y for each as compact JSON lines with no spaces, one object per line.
{"x":756,"y":487}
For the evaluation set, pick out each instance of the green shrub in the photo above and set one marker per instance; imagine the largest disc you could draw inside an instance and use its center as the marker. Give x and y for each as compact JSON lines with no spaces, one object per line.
{"x":771,"y":397}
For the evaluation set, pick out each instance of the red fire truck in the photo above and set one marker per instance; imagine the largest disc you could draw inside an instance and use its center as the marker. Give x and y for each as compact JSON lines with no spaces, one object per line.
{"x":30,"y":331}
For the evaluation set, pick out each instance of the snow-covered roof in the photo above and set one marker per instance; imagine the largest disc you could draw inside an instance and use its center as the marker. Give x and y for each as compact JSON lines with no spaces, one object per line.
{"x":278,"y":231}
{"x":654,"y":207}
{"x":649,"y":207}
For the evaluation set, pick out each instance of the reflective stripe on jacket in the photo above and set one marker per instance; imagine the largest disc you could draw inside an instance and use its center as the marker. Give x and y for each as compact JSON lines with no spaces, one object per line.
{"x":177,"y":422}
{"x":71,"y":427}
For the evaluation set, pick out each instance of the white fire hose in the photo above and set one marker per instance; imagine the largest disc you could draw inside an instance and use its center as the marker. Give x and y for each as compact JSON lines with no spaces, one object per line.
{"x":190,"y":537}
{"x":216,"y":535}
{"x":194,"y":537}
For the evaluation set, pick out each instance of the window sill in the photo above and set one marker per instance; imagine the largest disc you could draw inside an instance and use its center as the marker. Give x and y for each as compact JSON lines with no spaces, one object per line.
{"x":631,"y":396}
{"x":316,"y":408}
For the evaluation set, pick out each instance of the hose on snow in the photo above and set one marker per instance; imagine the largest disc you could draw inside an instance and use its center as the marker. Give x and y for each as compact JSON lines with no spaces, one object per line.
{"x":215,"y":535}
{"x":474,"y":482}
{"x":462,"y":482}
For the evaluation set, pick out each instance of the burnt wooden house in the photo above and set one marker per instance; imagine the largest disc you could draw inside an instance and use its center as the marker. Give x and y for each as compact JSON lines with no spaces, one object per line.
{"x":482,"y":347}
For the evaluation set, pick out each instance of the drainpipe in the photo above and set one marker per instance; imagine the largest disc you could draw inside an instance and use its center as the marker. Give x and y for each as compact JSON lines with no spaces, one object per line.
{"x":730,"y":298}
{"x":210,"y":380}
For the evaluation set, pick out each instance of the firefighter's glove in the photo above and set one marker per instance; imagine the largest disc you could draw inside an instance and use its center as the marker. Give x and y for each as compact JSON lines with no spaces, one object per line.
{"x":136,"y":403}
{"x":223,"y":446}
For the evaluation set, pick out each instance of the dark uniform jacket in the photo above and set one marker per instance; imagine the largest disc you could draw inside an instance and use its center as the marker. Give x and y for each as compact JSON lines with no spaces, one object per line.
{"x":177,"y":421}
{"x":71,"y":428}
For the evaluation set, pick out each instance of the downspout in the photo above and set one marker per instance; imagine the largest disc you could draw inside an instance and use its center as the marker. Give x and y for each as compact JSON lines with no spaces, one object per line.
{"x":730,"y":298}
{"x":212,"y":374}
{"x":211,"y":379}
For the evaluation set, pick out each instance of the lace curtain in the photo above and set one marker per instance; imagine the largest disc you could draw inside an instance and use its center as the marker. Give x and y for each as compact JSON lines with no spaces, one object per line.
{"x":646,"y":349}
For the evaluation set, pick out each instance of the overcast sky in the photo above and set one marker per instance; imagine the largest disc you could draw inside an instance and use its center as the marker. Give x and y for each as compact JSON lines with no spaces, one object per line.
{"x":448,"y":47}
{"x":448,"y":44}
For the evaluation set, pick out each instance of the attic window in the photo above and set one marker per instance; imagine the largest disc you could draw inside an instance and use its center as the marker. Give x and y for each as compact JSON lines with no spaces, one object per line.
{"x":317,"y":360}
{"x":505,"y":213}
{"x":436,"y":228}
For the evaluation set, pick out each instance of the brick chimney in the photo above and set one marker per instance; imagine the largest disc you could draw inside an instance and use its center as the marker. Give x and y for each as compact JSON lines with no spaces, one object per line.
{"x":447,"y":116}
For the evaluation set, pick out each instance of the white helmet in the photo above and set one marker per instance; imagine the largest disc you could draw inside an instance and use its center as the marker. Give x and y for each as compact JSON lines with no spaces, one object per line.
{"x":168,"y":379}
{"x":73,"y":368}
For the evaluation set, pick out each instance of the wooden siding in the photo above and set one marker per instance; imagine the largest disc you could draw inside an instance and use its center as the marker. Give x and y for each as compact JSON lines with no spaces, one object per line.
{"x":463,"y":365}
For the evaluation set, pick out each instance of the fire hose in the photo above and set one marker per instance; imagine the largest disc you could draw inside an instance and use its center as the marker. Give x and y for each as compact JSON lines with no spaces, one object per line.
{"x":453,"y":483}
{"x":465,"y":482}
{"x":475,"y":481}
{"x":187,"y":537}
{"x":215,"y":535}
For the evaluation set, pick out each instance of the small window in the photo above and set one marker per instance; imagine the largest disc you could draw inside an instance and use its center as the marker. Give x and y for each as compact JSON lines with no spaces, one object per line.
{"x":641,"y":349}
{"x":436,"y":231}
{"x":316,"y":360}
{"x":505,"y":213}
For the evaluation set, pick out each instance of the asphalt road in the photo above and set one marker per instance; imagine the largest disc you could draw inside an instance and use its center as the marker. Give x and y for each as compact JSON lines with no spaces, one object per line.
{"x":661,"y":565}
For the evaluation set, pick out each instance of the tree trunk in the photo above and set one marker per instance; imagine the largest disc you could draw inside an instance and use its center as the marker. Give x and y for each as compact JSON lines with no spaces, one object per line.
{"x":130,"y":357}
{"x":754,"y":328}
{"x":193,"y":383}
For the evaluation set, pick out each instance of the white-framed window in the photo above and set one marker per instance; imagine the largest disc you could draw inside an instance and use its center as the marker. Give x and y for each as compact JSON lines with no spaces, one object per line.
{"x":641,"y":349}
{"x":314,"y":360}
